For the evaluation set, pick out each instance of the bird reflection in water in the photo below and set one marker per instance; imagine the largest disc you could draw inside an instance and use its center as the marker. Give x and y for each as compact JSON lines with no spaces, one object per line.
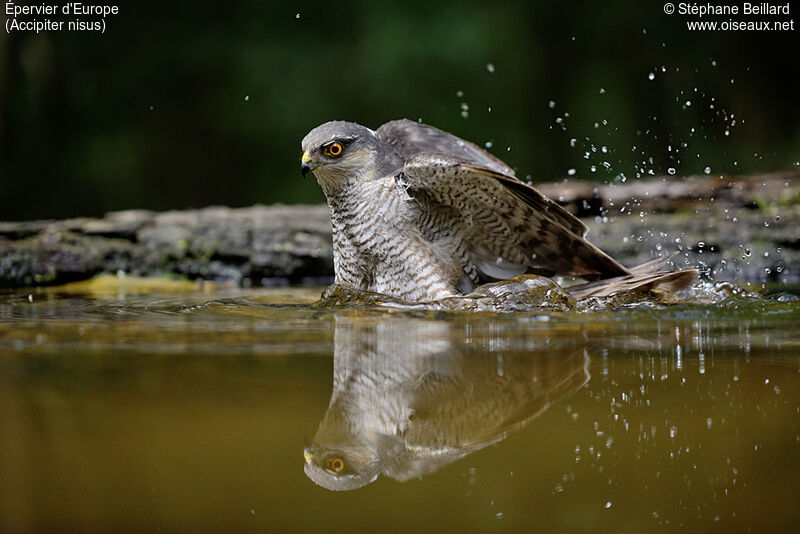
{"x":411,"y":396}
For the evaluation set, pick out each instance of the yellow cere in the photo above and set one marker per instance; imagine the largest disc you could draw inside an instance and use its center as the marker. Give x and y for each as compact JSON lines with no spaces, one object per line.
{"x":306,"y":157}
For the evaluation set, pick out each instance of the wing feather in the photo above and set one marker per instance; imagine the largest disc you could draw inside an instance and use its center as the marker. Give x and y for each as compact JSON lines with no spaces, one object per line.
{"x":410,"y":138}
{"x":503,"y":219}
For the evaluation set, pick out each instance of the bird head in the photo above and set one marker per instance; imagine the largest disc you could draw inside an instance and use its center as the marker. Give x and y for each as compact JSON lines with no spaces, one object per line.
{"x":340,"y":153}
{"x":337,"y":469}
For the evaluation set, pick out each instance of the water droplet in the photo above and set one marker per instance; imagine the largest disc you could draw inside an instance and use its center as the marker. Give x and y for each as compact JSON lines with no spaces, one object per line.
{"x":651,"y":76}
{"x":707,"y":170}
{"x":571,"y":172}
{"x":488,"y":144}
{"x":551,"y":104}
{"x":607,"y":505}
{"x":727,"y":133}
{"x":246,"y":98}
{"x":688,"y":103}
{"x":602,"y":91}
{"x":490,"y":68}
{"x":671,"y":170}
{"x":297,"y":16}
{"x":459,"y":93}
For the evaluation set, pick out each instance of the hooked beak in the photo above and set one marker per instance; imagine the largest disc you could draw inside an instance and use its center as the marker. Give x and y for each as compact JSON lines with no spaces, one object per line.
{"x":305,"y":163}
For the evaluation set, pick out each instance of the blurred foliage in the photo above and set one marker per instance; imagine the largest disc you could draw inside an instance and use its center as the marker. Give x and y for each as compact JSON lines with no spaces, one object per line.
{"x":185,"y":104}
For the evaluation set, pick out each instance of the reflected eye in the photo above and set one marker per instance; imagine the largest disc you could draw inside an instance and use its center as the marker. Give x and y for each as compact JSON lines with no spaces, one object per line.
{"x":334,"y":150}
{"x":337,"y":464}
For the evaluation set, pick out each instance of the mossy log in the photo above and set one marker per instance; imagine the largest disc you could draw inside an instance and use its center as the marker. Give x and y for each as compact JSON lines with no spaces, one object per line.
{"x":736,"y":228}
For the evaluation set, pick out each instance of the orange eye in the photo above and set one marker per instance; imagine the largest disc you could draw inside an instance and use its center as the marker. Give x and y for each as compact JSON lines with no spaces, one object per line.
{"x":337,"y":464}
{"x":334,"y":149}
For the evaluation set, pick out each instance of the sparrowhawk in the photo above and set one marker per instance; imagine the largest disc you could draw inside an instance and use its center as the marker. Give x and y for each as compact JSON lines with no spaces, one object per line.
{"x":408,"y":399}
{"x":420,"y":214}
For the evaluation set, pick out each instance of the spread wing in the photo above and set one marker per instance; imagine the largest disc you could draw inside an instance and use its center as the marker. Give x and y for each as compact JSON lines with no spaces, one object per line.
{"x":410,"y":138}
{"x":504,"y":223}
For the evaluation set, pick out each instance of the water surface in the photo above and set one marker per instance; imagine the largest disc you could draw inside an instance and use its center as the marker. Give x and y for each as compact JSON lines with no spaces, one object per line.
{"x":130,"y":409}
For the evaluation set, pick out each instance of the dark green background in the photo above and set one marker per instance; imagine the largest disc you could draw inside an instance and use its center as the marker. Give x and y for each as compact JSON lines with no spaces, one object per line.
{"x":186,"y":104}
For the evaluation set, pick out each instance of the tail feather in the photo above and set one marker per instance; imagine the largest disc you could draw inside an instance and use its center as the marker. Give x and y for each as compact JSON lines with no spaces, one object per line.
{"x":652,"y":266}
{"x":648,"y":275}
